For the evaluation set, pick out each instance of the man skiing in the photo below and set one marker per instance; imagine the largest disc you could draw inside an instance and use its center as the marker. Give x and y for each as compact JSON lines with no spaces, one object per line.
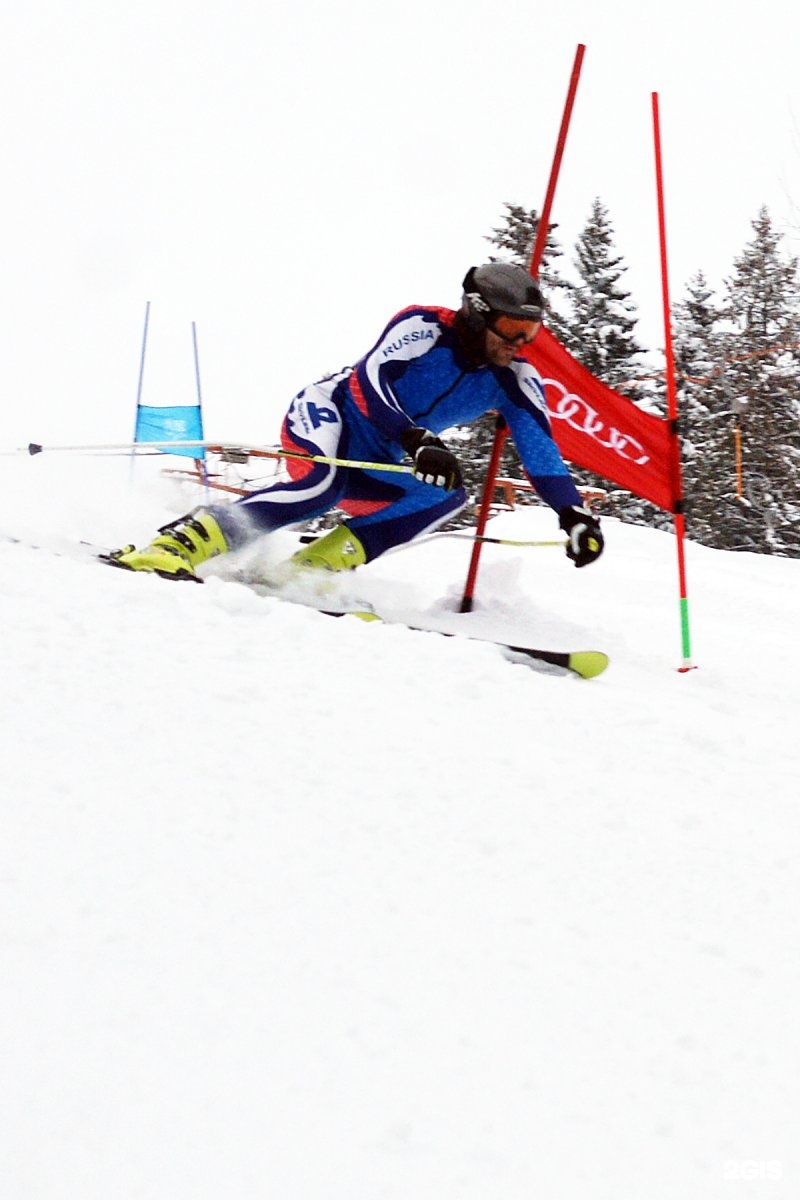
{"x":431,"y":369}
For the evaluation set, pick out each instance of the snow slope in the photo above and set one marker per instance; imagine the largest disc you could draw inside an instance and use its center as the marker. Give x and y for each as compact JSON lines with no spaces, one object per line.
{"x":314,"y":909}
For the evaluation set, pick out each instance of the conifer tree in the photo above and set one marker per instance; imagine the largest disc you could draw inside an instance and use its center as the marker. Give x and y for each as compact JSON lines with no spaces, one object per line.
{"x":602,"y":329}
{"x":706,"y":415}
{"x":762,"y":372}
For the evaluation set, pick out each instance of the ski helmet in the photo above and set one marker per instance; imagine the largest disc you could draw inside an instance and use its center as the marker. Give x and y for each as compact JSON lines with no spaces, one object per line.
{"x":501,"y":288}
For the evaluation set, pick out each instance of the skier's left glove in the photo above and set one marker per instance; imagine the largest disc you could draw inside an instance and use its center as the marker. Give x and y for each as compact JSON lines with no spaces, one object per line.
{"x":433,"y":462}
{"x":584,"y":536}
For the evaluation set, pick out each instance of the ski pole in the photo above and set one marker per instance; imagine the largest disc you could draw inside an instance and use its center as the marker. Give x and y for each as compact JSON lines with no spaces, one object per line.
{"x":502,"y":541}
{"x":296,"y":455}
{"x":231,"y":449}
{"x":308,"y":538}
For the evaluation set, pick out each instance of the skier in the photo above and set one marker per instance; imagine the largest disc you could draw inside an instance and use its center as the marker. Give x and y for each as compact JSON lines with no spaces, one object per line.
{"x":431,"y":369}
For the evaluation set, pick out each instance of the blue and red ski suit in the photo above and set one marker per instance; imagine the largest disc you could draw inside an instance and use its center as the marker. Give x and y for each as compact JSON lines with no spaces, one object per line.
{"x":416,"y":374}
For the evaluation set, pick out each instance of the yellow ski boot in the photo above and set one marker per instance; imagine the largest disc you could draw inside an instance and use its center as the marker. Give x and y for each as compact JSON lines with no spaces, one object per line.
{"x":178,"y":549}
{"x":308,"y":577}
{"x":339,"y":550}
{"x":308,"y":573}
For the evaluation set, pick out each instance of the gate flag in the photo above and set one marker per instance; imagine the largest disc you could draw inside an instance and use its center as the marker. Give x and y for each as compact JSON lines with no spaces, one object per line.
{"x":597,"y":428}
{"x":176,"y":423}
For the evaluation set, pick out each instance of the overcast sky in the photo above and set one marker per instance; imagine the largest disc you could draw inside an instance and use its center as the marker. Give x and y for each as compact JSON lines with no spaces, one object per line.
{"x":287,"y":175}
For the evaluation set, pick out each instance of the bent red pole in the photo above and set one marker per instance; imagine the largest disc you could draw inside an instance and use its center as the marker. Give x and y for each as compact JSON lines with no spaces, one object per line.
{"x":544,"y":220}
{"x":672,"y":402}
{"x":501,"y":430}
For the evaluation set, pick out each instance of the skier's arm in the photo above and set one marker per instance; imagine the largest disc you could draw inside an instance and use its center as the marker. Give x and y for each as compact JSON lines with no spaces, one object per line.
{"x":525,"y":410}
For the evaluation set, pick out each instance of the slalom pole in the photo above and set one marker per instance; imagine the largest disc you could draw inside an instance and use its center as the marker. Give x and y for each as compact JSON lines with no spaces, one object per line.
{"x":501,"y":429}
{"x":140,"y":382}
{"x":679,"y":507}
{"x":500,"y":435}
{"x":197,"y":367}
{"x":141,"y":364}
{"x":547,"y":208}
{"x":200,"y":462}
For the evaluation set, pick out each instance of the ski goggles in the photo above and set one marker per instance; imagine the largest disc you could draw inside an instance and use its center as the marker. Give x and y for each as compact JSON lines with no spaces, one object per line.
{"x":516,"y":331}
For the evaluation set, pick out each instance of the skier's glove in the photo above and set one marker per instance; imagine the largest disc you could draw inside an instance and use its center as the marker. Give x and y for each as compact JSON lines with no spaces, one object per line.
{"x":584,"y":537}
{"x":433,"y":462}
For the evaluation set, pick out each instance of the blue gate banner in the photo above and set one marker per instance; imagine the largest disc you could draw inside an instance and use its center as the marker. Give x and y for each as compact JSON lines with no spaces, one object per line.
{"x":179,"y":423}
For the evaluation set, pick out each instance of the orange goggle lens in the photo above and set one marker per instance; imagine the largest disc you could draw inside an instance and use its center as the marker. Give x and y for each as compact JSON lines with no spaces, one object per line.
{"x":515,"y":329}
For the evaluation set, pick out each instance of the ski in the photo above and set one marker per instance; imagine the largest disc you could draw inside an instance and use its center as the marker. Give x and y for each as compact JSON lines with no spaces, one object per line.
{"x":58,"y":547}
{"x":585,"y":664}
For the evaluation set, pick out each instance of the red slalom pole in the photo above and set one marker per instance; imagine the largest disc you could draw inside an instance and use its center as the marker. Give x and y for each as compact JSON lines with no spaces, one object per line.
{"x":672,"y":402}
{"x":547,"y":207}
{"x":501,"y":431}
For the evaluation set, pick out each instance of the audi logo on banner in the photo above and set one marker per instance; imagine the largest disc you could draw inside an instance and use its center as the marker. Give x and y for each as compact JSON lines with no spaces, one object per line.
{"x":581,"y":417}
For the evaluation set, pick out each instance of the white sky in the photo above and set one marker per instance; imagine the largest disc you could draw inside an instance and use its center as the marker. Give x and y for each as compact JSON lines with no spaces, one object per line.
{"x":288,"y":175}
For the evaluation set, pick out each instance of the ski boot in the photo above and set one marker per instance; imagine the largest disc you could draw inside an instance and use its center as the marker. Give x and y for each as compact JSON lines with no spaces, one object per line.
{"x":179,"y":548}
{"x":339,"y":550}
{"x":309,"y":575}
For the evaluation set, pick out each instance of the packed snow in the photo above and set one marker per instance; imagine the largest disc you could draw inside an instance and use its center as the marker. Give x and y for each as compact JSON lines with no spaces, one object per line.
{"x":326,"y":910}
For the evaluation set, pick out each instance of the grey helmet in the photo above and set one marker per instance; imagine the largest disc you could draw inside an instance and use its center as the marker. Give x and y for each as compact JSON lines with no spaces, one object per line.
{"x":497,"y":288}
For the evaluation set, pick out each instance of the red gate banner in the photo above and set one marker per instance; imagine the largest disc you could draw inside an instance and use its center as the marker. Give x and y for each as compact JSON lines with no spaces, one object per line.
{"x":597,"y":428}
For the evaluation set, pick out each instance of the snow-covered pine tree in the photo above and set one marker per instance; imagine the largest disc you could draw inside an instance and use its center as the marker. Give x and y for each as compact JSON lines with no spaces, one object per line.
{"x":762,"y":374}
{"x":602,"y":328}
{"x":706,"y":415}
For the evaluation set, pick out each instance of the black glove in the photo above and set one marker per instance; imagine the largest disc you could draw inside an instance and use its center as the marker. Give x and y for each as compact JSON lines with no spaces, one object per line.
{"x":585,"y":539}
{"x":433,"y":462}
